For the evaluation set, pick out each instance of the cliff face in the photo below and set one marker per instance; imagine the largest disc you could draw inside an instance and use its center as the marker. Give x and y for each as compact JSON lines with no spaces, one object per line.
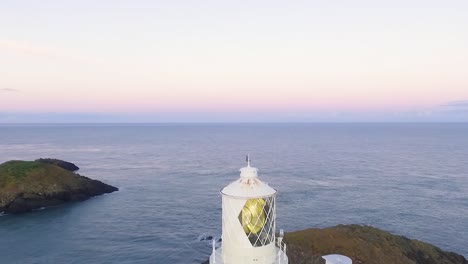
{"x":364,"y":245}
{"x":27,"y":185}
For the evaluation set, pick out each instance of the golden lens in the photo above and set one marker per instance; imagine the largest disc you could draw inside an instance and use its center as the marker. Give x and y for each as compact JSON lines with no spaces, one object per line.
{"x":253,"y":216}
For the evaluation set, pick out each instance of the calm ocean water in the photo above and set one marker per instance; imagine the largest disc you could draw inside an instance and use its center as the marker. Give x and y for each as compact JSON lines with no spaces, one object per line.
{"x":410,"y":179}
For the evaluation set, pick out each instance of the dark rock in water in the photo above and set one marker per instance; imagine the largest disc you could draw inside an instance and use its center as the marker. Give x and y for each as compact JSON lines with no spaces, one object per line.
{"x":61,"y":163}
{"x":364,"y":245}
{"x":28,"y":185}
{"x":209,"y":238}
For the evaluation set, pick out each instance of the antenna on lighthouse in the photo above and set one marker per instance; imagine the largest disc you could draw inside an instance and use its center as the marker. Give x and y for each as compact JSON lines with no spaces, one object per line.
{"x":247,"y":159}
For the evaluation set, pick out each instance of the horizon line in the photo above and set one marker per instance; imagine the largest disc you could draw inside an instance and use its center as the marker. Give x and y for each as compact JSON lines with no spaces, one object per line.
{"x":228,"y":122}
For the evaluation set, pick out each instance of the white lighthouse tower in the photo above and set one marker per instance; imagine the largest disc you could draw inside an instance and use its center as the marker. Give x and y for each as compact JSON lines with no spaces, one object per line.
{"x":249,"y":223}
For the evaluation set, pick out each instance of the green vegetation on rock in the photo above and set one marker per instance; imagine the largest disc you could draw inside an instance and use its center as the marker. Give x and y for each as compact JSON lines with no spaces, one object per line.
{"x":27,"y":185}
{"x":364,"y":245}
{"x":15,"y":170}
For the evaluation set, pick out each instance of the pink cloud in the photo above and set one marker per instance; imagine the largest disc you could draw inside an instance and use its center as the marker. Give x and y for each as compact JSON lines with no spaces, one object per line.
{"x":35,"y":50}
{"x":23,"y":48}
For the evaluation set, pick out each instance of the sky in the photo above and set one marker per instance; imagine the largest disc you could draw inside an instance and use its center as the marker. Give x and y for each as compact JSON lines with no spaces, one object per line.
{"x":233,"y":61}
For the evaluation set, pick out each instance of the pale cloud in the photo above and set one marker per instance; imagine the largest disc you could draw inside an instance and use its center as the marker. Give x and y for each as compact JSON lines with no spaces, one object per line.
{"x":452,"y":111}
{"x":24,"y":48}
{"x":36,"y":50}
{"x":459,"y":103}
{"x":8,"y":90}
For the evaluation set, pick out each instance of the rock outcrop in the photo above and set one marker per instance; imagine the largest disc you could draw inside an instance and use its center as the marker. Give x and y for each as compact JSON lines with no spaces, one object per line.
{"x":61,"y":163}
{"x":28,"y":185}
{"x":364,"y":245}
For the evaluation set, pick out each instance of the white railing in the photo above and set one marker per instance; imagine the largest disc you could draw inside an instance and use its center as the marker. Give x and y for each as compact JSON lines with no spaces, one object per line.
{"x":279,"y":242}
{"x":282,"y":257}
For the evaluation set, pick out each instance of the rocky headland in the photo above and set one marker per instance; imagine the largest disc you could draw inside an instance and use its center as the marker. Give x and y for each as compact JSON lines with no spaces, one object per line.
{"x":29,"y":185}
{"x":364,"y":245}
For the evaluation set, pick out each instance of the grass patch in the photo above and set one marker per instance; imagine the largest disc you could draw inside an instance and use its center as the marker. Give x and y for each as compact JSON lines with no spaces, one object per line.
{"x":15,"y":170}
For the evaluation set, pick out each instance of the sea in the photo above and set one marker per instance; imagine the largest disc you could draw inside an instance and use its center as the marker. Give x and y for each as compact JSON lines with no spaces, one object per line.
{"x":409,"y":179}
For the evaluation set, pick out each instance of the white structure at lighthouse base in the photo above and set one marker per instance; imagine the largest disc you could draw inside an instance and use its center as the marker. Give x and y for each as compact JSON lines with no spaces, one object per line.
{"x":249,"y":223}
{"x":337,"y":259}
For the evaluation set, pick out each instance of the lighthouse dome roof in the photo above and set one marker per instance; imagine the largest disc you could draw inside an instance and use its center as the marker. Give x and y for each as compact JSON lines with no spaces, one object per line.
{"x":248,"y":185}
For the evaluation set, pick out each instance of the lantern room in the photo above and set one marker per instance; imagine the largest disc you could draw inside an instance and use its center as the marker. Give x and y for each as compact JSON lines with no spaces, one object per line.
{"x":249,"y":223}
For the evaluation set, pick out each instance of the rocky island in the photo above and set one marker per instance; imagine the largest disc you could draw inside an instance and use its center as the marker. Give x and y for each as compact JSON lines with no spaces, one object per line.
{"x":28,"y":185}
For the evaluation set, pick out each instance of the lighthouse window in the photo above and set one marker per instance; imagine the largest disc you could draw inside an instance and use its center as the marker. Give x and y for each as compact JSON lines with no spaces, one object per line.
{"x":257,"y":220}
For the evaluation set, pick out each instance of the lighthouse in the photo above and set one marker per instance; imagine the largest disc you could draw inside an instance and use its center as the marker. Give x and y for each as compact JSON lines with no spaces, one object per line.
{"x":249,"y":223}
